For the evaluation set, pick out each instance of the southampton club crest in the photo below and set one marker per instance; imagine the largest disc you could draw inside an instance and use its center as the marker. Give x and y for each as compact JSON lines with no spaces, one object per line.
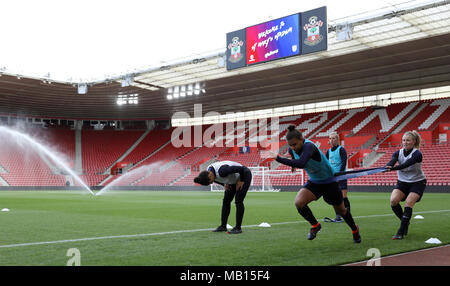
{"x":235,"y":49}
{"x":313,"y":31}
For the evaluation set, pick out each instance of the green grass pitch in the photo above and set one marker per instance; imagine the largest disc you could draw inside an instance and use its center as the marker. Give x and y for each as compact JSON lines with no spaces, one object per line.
{"x":173,"y":228}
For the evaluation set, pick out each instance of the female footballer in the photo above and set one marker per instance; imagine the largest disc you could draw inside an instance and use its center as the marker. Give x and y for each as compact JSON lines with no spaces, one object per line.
{"x":411,"y":181}
{"x":236,"y":180}
{"x":306,"y":155}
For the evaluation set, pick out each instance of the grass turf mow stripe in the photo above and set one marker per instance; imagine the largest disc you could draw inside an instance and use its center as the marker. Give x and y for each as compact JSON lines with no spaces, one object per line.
{"x":177,"y":232}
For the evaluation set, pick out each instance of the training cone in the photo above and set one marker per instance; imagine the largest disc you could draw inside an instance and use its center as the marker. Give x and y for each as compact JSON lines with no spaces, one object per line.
{"x":264,"y":224}
{"x":433,"y":240}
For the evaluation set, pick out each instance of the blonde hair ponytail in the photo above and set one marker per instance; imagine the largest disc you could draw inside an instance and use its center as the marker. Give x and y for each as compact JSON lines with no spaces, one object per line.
{"x":416,"y":136}
{"x":334,"y":133}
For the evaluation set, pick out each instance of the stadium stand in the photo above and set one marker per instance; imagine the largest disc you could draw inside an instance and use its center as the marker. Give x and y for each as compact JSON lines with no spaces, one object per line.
{"x":22,"y":165}
{"x":365,"y":133}
{"x":152,"y":141}
{"x":101,"y":149}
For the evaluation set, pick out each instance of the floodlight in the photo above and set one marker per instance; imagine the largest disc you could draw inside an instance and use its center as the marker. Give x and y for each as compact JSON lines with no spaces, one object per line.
{"x":344,"y":32}
{"x":82,"y":88}
{"x":126,"y":81}
{"x":190,"y":89}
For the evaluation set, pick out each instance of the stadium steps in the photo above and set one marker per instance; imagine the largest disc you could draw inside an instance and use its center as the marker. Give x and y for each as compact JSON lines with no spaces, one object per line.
{"x":150,"y":155}
{"x":351,"y":119}
{"x":439,"y":113}
{"x":53,"y":168}
{"x":382,"y":136}
{"x":430,"y":112}
{"x":413,"y":115}
{"x":135,"y":182}
{"x":103,"y":182}
{"x":155,"y":139}
{"x":3,"y":182}
{"x":189,"y":152}
{"x":187,"y":172}
{"x":312,"y":122}
{"x":370,"y":159}
{"x":98,"y":152}
{"x":125,"y":154}
{"x":167,"y":166}
{"x":324,"y":126}
{"x":366,"y":145}
{"x":2,"y":170}
{"x":444,"y":118}
{"x":348,"y":115}
{"x":380,"y":118}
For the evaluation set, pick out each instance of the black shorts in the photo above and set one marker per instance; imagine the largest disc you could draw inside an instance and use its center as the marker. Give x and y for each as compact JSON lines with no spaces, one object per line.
{"x":416,"y":187}
{"x":331,"y":192}
{"x":343,"y":185}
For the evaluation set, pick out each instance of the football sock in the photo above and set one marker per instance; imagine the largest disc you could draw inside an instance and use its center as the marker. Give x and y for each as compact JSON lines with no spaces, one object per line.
{"x":347,"y":204}
{"x":225,"y":213}
{"x":349,"y":220}
{"x":398,"y":210}
{"x":405,"y":219}
{"x":307,"y":214}
{"x":239,"y":214}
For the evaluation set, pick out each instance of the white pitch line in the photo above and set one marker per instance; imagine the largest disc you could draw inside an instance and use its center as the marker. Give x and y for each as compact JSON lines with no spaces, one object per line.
{"x":174,"y":232}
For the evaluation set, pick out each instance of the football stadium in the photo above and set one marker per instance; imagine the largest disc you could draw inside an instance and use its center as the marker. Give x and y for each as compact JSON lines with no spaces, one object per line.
{"x":108,"y":172}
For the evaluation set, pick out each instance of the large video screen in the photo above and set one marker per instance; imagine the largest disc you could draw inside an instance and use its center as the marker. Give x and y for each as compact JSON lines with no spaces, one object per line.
{"x":272,"y":40}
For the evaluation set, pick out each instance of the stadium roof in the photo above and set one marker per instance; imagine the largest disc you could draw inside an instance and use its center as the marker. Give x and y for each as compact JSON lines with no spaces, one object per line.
{"x":402,"y":49}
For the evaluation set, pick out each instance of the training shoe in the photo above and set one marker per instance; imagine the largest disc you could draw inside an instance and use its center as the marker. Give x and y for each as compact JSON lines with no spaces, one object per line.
{"x":327,"y":219}
{"x":220,"y":228}
{"x":338,"y":219}
{"x":356,"y":235}
{"x":313,"y":231}
{"x":235,"y":230}
{"x":399,"y":234}
{"x":397,"y":237}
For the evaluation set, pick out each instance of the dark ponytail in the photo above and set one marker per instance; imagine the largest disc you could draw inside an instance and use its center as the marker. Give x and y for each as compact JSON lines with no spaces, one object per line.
{"x":293,"y":133}
{"x":202,"y":178}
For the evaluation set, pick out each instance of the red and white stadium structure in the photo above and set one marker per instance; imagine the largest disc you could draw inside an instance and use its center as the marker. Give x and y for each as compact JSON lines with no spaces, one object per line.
{"x":392,"y":74}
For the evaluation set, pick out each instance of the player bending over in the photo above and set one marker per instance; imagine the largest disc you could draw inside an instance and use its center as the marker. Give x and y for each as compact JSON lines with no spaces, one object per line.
{"x":306,"y":155}
{"x":236,"y":180}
